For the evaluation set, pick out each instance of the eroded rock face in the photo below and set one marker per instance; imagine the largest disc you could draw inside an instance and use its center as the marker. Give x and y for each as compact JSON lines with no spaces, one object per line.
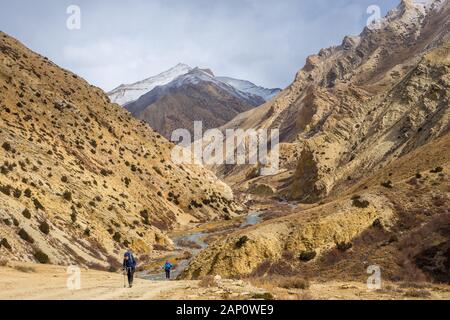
{"x":81,"y":179}
{"x":356,"y":107}
{"x":244,"y":251}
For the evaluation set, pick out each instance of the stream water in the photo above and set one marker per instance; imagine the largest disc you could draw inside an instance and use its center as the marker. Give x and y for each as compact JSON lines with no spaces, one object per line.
{"x":253,"y":218}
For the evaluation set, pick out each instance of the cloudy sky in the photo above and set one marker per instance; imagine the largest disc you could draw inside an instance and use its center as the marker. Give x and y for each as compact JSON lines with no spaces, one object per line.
{"x":265,"y":41}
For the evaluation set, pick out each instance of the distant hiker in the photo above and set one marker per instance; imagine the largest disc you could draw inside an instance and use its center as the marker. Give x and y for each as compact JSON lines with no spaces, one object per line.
{"x":129,"y":266}
{"x":167,"y":268}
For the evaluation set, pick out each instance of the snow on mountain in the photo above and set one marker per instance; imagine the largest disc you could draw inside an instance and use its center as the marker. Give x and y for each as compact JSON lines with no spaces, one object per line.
{"x":127,"y":93}
{"x":197,"y":75}
{"x":182,"y":74}
{"x":251,"y":88}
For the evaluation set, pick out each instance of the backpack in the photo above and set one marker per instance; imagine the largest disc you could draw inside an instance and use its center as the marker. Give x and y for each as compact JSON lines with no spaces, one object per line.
{"x":131,"y":259}
{"x":167,"y":266}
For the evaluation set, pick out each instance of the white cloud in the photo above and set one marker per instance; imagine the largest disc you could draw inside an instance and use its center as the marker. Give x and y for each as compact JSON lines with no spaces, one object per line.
{"x":265,"y":41}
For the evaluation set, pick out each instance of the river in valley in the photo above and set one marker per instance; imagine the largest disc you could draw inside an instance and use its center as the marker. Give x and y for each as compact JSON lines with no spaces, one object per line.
{"x":197,"y":238}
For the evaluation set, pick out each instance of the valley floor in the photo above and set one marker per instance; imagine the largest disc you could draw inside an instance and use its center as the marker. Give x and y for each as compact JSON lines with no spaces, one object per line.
{"x":44,"y":282}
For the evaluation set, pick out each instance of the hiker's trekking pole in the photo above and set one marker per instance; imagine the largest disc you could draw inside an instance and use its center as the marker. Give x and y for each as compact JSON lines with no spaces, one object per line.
{"x":124,"y":279}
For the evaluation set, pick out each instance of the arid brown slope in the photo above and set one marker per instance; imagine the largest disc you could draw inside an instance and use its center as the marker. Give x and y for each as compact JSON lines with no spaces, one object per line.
{"x":80,"y":178}
{"x":398,"y":219}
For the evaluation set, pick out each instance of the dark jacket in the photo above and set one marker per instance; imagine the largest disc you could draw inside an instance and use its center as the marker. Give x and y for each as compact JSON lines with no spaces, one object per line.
{"x":130,"y":262}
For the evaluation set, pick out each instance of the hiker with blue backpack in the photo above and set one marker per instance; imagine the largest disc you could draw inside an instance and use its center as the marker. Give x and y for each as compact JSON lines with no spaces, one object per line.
{"x":167,"y":268}
{"x":129,"y":266}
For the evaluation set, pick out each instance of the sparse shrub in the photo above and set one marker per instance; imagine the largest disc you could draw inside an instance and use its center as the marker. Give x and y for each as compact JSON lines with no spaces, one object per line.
{"x":117,"y":236}
{"x":377,"y":223}
{"x":17,"y":193}
{"x":6,"y":146}
{"x":37,"y":204}
{"x":241,"y":242}
{"x":44,"y":227}
{"x":437,"y":170}
{"x":73,"y":217}
{"x":420,"y":294}
{"x":263,"y":296}
{"x":344,"y":246}
{"x":207,"y":282}
{"x":87,"y":232}
{"x":27,"y":193}
{"x":64,"y":179}
{"x":188,"y":244}
{"x":387,"y":184}
{"x":67,"y":195}
{"x":5,"y":243}
{"x":26,"y":213}
{"x":5,"y":190}
{"x":306,"y":256}
{"x":25,"y":236}
{"x":41,"y":257}
{"x":159,"y":247}
{"x":144,"y":215}
{"x":3,"y":263}
{"x":360,"y":203}
{"x":25,"y":269}
{"x":293,"y":283}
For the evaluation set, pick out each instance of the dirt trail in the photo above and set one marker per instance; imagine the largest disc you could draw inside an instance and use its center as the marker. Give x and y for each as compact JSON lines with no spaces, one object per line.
{"x":45,"y":282}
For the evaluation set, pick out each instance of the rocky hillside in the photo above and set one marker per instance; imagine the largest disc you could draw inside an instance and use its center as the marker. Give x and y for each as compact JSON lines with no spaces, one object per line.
{"x":356,"y":107}
{"x":195,"y":96}
{"x":80,"y":178}
{"x":365,"y":132}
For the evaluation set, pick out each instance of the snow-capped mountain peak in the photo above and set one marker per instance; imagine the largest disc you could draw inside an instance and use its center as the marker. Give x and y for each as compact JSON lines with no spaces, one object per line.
{"x":127,"y":93}
{"x":250,"y":88}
